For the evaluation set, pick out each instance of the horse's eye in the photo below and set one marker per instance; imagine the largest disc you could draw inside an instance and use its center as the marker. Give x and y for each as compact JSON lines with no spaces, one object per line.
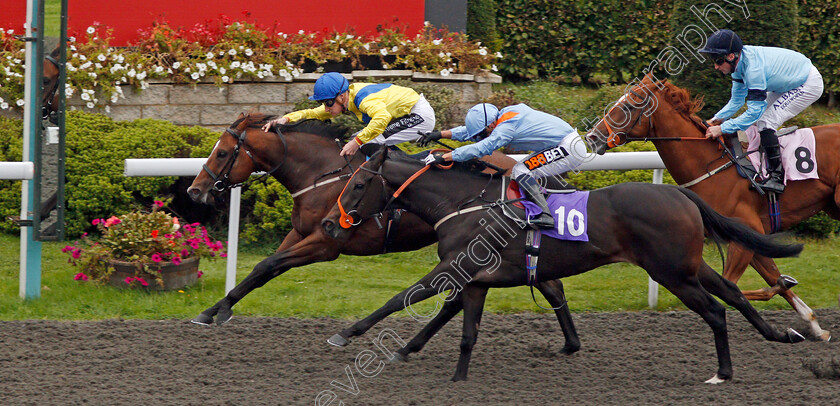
{"x":46,"y":81}
{"x":359,"y":186}
{"x":222,"y":154}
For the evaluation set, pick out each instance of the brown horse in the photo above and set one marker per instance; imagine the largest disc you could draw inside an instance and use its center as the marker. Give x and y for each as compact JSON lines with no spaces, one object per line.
{"x":52,"y":70}
{"x":653,"y":110}
{"x":300,"y":156}
{"x":660,"y":228}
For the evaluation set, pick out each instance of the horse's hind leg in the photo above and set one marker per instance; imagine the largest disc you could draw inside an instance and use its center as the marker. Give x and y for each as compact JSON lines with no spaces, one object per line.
{"x":689,"y":291}
{"x":473,"y":297}
{"x":766,"y":267}
{"x":449,"y":310}
{"x":553,"y":292}
{"x":730,"y":294}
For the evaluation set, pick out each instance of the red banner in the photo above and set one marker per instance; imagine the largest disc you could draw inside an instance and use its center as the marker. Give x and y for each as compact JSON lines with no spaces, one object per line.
{"x":13,"y":15}
{"x":125,"y":18}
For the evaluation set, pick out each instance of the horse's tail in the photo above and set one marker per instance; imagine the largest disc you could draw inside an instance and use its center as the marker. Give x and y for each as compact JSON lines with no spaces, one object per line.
{"x":726,"y":229}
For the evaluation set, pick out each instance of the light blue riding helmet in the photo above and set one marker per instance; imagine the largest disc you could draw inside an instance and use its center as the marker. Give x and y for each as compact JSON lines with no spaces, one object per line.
{"x":479,"y":117}
{"x":329,"y":86}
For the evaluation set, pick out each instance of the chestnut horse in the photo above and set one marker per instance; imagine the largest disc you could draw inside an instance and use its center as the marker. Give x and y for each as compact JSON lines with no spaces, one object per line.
{"x":653,"y":110}
{"x":304,"y":158}
{"x":660,"y":228}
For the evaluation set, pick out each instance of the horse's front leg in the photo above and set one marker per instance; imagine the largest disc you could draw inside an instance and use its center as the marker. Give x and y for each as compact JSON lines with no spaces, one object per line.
{"x":419,"y":291}
{"x":473,"y":297}
{"x":313,"y":248}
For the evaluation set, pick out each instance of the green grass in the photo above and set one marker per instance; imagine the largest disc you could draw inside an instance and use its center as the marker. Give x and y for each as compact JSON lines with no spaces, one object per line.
{"x":352,"y":287}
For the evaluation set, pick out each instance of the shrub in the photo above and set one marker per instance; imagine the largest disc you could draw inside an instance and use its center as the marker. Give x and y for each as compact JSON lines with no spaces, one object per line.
{"x":481,"y":23}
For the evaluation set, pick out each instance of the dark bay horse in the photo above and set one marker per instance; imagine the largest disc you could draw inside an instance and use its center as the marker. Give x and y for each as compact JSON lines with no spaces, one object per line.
{"x":657,"y":227}
{"x":653,"y":110}
{"x":49,"y":98}
{"x":300,"y":156}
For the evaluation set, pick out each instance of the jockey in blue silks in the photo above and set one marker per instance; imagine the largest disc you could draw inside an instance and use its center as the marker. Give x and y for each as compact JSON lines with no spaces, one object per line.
{"x":559,"y":146}
{"x":777,"y":84}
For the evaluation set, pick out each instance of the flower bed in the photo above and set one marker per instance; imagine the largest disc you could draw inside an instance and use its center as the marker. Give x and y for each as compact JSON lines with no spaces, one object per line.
{"x":226,"y":51}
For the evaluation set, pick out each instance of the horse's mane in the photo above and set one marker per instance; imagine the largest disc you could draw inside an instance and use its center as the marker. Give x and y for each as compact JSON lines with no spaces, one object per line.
{"x":256,"y":119}
{"x":682,"y":102}
{"x":465,"y":167}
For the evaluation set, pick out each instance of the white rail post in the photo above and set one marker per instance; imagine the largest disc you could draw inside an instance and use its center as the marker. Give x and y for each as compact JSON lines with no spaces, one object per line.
{"x":653,"y":287}
{"x":233,"y":239}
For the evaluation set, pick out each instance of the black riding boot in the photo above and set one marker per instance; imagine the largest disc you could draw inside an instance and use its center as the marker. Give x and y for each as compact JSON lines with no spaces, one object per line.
{"x":770,"y":143}
{"x":534,"y":194}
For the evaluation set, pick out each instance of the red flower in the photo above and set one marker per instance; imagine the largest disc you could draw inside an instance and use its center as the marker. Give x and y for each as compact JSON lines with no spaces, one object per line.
{"x":154,"y":233}
{"x":80,"y":277}
{"x":158,"y":203}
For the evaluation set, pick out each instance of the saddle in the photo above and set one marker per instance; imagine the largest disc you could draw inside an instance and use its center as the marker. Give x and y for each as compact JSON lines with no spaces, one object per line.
{"x":515,"y":196}
{"x":735,"y":142}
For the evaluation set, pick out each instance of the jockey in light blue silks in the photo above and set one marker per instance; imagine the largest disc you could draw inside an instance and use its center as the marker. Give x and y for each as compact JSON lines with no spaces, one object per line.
{"x":558,"y":145}
{"x":777,"y":84}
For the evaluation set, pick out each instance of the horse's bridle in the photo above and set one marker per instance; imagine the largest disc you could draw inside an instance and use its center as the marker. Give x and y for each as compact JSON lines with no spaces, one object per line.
{"x":613,"y":137}
{"x":46,"y":108}
{"x":222,"y":180}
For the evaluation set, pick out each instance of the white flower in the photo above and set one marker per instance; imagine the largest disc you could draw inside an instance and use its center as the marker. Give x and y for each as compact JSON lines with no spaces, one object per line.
{"x":195,"y":75}
{"x":442,"y":55}
{"x":395,"y":48}
{"x":176,"y":65}
{"x":248,"y":52}
{"x":20,"y":102}
{"x":235,"y":64}
{"x":499,"y":55}
{"x":232,"y":52}
{"x":300,"y":31}
{"x":367,"y":46}
{"x":92,"y":74}
{"x":120,"y":58}
{"x":132,"y":73}
{"x":482,"y":51}
{"x":494,"y":68}
{"x":4,"y":106}
{"x":72,"y":39}
{"x":85,"y":96}
{"x":101,"y":57}
{"x":383,"y":51}
{"x":82,"y":57}
{"x":91,"y":30}
{"x":141,"y":75}
{"x":222,"y":70}
{"x":90,"y":105}
{"x":350,"y":36}
{"x":98,"y":65}
{"x":260,"y":75}
{"x":385,"y":66}
{"x":225,"y":79}
{"x":107,"y":109}
{"x":426,"y":23}
{"x":436,"y":42}
{"x":444,"y":72}
{"x":123,"y":79}
{"x":210,"y":55}
{"x":158,"y":69}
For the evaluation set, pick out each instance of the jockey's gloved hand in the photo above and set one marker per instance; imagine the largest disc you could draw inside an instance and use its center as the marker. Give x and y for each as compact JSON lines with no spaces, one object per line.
{"x":428,"y":137}
{"x":435,"y":158}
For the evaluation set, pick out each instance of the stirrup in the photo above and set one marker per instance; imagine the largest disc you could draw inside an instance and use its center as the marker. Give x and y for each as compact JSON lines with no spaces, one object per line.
{"x":542,"y":220}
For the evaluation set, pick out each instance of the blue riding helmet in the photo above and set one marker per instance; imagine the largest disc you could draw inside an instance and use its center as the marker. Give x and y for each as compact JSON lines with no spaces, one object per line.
{"x":723,"y":42}
{"x":479,"y":117}
{"x":329,"y":86}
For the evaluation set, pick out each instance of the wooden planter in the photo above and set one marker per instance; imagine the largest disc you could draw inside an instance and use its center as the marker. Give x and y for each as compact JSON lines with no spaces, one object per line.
{"x":174,"y":276}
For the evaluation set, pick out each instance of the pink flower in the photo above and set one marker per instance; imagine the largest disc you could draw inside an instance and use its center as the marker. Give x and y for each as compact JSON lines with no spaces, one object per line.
{"x":142,"y":281}
{"x":223,"y":255}
{"x":175,"y":220}
{"x":185,"y":253}
{"x":95,"y":221}
{"x":80,"y":277}
{"x":156,"y":257}
{"x":158,"y":203}
{"x":67,"y":248}
{"x":176,"y":260}
{"x":128,"y":280}
{"x":194,"y":244}
{"x":168,"y":236}
{"x":112,"y":221}
{"x":200,"y":273}
{"x":76,"y":253}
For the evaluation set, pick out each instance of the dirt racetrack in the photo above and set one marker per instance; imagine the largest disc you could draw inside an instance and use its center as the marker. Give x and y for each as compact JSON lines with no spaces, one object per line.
{"x":626,"y":358}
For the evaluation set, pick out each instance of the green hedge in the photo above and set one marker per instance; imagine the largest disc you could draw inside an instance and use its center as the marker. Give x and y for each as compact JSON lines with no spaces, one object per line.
{"x":579,"y":38}
{"x":819,"y":38}
{"x":481,"y":23}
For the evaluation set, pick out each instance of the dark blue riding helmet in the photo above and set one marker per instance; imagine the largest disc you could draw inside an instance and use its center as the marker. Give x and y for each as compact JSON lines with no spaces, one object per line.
{"x":723,"y":42}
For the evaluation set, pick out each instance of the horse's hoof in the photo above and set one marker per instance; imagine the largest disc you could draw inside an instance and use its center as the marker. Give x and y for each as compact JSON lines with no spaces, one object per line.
{"x":337,"y":340}
{"x":397,"y":357}
{"x":786,"y":282}
{"x":203,"y":320}
{"x":569,"y":350}
{"x":794,"y":336}
{"x":825,"y":336}
{"x":716,"y":380}
{"x":223,"y":316}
